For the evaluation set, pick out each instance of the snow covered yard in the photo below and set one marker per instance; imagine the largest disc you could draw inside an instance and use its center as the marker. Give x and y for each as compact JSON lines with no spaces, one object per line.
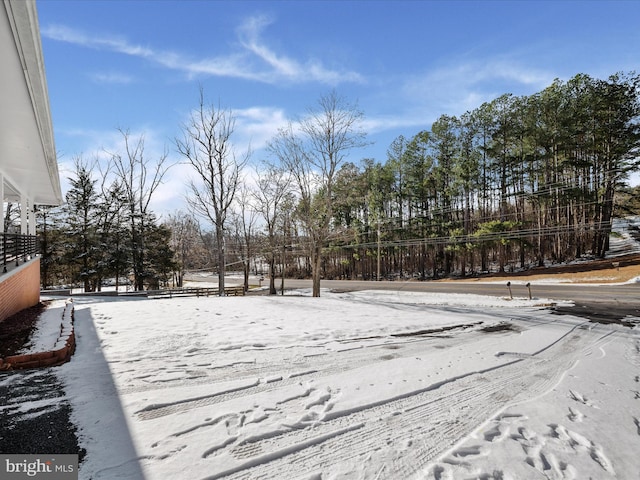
{"x":362,"y":385}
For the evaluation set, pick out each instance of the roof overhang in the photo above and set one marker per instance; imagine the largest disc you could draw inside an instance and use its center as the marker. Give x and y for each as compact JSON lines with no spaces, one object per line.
{"x":28,"y":162}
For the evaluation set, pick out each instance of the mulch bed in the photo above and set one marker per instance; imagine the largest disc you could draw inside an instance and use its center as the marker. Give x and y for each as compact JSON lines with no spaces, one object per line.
{"x":15,"y":331}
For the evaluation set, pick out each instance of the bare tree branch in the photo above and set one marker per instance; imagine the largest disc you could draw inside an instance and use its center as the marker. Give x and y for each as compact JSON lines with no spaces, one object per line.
{"x":313,"y":157}
{"x":207,"y":147}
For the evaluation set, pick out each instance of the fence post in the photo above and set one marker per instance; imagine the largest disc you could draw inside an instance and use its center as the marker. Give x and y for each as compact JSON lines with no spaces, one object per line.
{"x":509,"y":287}
{"x":529,"y":287}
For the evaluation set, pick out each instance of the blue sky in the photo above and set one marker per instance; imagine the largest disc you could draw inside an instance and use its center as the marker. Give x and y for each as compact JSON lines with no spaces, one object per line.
{"x":138,"y":65}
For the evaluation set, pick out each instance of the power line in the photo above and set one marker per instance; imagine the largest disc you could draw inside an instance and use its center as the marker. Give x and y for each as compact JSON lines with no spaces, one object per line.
{"x":473,"y":239}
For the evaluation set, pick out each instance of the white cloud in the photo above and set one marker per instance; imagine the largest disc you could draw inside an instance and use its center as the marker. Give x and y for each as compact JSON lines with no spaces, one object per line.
{"x":256,"y":126}
{"x":111,"y":78}
{"x":383,"y":123}
{"x":66,"y":34}
{"x":249,"y":36}
{"x":99,"y":145}
{"x":452,"y":89}
{"x":255,"y":60}
{"x":456,"y":88}
{"x":282,"y":67}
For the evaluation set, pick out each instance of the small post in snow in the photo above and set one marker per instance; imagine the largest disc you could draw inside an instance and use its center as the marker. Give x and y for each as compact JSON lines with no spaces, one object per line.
{"x":509,"y":287}
{"x":529,"y":287}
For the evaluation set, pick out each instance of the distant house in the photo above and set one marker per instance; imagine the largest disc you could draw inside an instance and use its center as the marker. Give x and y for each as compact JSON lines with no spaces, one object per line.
{"x":28,"y":166}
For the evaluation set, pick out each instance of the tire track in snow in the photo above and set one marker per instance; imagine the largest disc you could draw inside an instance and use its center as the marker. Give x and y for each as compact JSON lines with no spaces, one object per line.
{"x":424,"y":422}
{"x":311,"y":369}
{"x":263,"y":364}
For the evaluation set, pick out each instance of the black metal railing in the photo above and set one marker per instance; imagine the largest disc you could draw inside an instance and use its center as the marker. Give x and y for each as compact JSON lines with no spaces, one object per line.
{"x":16,"y":248}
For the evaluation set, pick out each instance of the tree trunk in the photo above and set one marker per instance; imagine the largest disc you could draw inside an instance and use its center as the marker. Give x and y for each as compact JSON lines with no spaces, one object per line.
{"x":316,"y":269}
{"x":272,"y":276}
{"x":221,"y":260}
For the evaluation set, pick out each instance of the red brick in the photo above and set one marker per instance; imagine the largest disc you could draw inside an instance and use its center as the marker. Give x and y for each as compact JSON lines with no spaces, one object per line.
{"x":20,"y":289}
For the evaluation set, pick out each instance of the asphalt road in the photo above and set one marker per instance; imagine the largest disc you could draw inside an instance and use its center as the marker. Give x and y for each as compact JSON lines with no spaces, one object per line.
{"x":598,"y":303}
{"x":613,"y":295}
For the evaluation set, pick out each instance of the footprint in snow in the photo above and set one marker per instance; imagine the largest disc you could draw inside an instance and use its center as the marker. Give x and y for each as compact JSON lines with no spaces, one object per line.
{"x":471,"y":451}
{"x":441,"y":472}
{"x":511,"y":416}
{"x":497,"y":433}
{"x":578,"y":397}
{"x":575,"y":415}
{"x":547,"y":464}
{"x":598,"y":456}
{"x":577,"y":441}
{"x":495,"y":475}
{"x":462,"y":455}
{"x":524,"y":434}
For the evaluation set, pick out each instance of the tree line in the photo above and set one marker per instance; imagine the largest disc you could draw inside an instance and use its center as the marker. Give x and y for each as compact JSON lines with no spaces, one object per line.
{"x":517,"y":182}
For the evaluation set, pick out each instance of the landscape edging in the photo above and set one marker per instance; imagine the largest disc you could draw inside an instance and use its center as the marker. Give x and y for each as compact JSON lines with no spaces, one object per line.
{"x":50,"y":358}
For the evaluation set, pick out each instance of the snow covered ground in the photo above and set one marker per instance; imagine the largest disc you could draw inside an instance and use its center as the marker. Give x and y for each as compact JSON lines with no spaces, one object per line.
{"x":362,"y":385}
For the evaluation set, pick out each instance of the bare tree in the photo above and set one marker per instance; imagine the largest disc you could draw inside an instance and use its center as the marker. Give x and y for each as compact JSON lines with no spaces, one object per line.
{"x":207,"y":147}
{"x":274,"y":185}
{"x":287,"y":226}
{"x":288,"y":148}
{"x":186,"y":242}
{"x":313,"y":156}
{"x":139,"y":178}
{"x":245,"y":223}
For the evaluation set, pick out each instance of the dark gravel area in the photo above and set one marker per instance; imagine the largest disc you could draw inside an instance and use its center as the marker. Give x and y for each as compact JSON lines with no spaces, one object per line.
{"x":35,"y":415}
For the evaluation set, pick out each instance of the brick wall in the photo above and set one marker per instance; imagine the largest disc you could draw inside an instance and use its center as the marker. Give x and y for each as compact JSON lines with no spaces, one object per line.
{"x":20,"y":288}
